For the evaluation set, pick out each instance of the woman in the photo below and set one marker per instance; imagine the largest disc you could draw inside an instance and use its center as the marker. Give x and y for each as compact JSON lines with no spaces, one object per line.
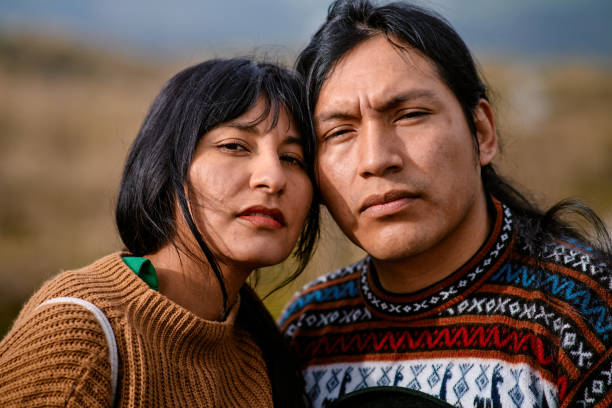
{"x":217,"y":183}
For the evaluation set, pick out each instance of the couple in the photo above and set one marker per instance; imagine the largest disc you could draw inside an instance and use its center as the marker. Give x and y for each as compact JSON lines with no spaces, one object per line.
{"x":470,"y":296}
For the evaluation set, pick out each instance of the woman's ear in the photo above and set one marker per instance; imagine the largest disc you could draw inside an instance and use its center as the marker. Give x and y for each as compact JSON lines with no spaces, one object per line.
{"x":485,"y":132}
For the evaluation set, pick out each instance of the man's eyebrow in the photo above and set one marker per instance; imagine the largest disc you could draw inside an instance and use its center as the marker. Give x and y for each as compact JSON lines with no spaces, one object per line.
{"x":332,"y":115}
{"x":392,"y":102}
{"x":404,"y":97}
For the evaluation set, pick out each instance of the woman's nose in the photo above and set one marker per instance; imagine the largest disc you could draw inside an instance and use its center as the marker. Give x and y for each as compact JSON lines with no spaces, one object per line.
{"x":268,"y":174}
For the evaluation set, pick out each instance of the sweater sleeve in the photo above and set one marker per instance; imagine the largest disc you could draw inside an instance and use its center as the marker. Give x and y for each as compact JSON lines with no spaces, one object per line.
{"x":55,"y":356}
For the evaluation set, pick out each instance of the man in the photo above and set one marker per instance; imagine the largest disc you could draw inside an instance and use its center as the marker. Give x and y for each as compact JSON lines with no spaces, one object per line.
{"x":469,"y":293}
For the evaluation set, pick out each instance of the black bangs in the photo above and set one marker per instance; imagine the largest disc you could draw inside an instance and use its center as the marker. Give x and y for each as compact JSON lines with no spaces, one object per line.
{"x":279,"y":89}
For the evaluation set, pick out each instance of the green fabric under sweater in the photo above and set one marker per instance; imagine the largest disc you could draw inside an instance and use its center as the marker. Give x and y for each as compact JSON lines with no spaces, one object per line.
{"x":144,"y":269}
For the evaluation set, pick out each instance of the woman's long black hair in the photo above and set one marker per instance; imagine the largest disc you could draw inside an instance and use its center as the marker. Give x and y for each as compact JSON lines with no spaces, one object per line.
{"x":155,"y":176}
{"x":351,"y":22}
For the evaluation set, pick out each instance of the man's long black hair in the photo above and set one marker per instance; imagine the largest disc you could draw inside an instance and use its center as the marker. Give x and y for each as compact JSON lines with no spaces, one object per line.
{"x":155,"y":176}
{"x":351,"y":22}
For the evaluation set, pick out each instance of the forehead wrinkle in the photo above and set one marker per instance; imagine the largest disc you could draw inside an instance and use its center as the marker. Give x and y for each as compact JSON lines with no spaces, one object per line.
{"x":338,"y":108}
{"x":390,"y":97}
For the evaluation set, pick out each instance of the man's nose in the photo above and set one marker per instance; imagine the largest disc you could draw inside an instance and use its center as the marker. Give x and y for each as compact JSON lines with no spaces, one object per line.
{"x":379,"y":151}
{"x":268,"y":174}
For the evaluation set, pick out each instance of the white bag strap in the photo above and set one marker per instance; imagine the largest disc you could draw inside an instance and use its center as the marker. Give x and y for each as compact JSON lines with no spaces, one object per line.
{"x":113,"y":354}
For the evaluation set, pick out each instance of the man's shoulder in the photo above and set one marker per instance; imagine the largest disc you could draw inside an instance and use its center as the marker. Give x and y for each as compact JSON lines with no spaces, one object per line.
{"x":338,"y":285}
{"x":568,"y":271}
{"x":565,"y":252}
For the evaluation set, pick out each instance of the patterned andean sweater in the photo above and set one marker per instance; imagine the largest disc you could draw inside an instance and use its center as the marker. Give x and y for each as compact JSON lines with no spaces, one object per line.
{"x":508,"y":329}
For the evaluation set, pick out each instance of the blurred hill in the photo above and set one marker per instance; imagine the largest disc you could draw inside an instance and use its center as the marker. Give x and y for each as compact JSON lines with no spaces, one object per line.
{"x":68,"y":114}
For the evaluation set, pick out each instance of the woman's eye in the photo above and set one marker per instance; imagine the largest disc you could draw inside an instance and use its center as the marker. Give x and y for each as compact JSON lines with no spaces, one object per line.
{"x":293,"y":160}
{"x":233,"y":147}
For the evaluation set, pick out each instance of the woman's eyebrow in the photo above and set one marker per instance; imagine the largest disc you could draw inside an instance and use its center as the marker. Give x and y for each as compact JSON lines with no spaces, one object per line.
{"x":252,"y":128}
{"x":246,"y":126}
{"x":291,"y":140}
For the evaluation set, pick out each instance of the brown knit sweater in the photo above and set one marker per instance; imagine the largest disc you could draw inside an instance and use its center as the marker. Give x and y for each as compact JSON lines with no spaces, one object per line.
{"x":57,"y":355}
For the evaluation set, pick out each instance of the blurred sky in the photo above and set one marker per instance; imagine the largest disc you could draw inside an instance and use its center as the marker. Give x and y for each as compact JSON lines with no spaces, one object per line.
{"x":542,"y":28}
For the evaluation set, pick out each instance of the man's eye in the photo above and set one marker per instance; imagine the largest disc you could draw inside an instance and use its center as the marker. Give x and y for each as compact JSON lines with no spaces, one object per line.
{"x":337,"y":134}
{"x":412,"y":115}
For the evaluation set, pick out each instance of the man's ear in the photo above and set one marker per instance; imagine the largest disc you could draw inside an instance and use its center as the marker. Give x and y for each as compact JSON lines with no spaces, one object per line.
{"x":485,"y":132}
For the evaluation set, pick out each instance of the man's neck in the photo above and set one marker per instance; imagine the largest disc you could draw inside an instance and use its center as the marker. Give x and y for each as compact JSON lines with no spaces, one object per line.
{"x":421,"y":270}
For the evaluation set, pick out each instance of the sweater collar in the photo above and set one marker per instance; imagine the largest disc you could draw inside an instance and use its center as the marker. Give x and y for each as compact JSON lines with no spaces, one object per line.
{"x":174,"y":329}
{"x":161,"y":322}
{"x":451,"y":289}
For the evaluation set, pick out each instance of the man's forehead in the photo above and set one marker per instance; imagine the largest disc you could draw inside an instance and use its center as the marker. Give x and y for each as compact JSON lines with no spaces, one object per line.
{"x":375,"y":69}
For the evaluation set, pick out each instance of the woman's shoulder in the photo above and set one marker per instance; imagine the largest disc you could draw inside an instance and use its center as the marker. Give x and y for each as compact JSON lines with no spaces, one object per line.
{"x":49,"y":358}
{"x":58,"y":344}
{"x":94,"y":284}
{"x":105,"y":282}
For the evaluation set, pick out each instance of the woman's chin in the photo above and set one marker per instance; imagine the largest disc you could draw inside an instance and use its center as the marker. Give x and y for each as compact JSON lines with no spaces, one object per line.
{"x":268,"y":261}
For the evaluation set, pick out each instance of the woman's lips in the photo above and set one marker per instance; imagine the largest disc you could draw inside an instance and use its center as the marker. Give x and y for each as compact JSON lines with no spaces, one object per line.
{"x":263,"y":217}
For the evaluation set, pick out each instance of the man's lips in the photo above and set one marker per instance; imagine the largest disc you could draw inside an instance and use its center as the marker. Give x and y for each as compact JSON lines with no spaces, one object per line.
{"x":387,"y":202}
{"x":263,"y":216}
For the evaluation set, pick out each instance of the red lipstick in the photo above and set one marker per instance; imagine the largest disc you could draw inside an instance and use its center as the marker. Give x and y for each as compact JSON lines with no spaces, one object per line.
{"x":263,"y":217}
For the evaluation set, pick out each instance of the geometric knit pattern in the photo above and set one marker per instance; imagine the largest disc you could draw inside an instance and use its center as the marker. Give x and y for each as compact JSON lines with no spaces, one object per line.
{"x":513,"y":327}
{"x":57,"y":356}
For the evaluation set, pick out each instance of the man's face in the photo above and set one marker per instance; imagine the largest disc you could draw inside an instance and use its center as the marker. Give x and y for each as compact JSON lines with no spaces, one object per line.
{"x":396,"y":162}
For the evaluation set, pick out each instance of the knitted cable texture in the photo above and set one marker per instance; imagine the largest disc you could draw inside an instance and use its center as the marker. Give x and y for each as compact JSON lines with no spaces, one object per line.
{"x":514,"y":327}
{"x":57,"y":355}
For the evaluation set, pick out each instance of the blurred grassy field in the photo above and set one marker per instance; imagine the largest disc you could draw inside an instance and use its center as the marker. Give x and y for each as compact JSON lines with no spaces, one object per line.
{"x":68,"y":115}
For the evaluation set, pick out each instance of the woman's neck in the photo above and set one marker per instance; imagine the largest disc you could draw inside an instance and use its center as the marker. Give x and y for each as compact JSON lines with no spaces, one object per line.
{"x":192,"y":283}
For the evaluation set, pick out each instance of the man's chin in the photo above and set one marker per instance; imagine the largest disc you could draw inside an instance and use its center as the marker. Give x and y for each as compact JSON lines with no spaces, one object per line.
{"x":394,"y":251}
{"x":394,"y":243}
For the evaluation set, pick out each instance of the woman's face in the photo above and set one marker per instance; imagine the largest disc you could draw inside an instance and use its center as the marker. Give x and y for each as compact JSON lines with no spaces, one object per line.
{"x":249,"y":190}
